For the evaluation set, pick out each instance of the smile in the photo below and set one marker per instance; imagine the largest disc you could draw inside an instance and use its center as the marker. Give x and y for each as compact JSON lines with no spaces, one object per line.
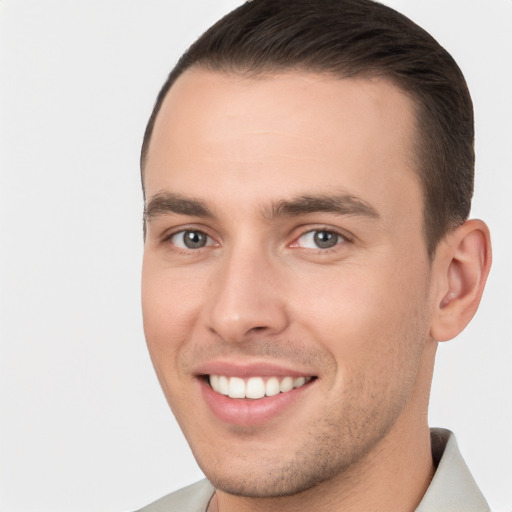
{"x":255,"y":387}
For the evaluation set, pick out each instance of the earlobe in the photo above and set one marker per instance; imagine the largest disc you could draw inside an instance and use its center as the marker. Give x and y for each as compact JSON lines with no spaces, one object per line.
{"x":461,"y":267}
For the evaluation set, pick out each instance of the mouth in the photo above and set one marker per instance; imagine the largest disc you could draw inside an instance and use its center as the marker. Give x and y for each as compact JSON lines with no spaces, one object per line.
{"x":251,"y":394}
{"x":255,"y":387}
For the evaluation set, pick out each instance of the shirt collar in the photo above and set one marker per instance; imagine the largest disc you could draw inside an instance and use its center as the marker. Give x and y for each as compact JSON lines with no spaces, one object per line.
{"x":453,"y":487}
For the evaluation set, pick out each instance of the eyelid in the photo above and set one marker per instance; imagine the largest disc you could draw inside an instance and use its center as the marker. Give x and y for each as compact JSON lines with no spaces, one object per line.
{"x":169,"y":234}
{"x":300,"y":231}
{"x":345,"y":237}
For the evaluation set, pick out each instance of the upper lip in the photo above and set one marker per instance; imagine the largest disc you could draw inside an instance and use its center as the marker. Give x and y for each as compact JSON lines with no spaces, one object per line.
{"x":249,"y":369}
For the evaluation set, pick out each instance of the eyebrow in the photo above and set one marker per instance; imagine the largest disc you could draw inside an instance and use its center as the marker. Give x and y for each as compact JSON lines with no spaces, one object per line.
{"x":341,"y":204}
{"x":165,"y":203}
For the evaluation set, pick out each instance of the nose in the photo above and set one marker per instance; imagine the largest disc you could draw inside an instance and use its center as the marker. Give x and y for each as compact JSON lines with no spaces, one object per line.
{"x":248,"y":296}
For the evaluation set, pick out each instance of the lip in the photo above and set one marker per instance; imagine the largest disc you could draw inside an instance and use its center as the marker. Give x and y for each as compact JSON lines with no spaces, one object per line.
{"x":246,"y":370}
{"x":247,"y":412}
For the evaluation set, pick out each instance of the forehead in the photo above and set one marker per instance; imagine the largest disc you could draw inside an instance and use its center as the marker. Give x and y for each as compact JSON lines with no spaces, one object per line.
{"x":282,"y":134}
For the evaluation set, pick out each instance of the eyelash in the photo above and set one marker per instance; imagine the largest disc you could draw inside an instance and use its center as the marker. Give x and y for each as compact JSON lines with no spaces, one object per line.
{"x":342,"y":239}
{"x":182,"y":232}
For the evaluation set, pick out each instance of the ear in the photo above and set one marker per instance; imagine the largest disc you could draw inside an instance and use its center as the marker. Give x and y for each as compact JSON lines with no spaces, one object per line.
{"x":461,"y":266}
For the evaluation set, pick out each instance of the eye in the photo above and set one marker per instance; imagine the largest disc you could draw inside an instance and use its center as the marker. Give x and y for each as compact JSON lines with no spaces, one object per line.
{"x":191,"y":239}
{"x":319,"y":239}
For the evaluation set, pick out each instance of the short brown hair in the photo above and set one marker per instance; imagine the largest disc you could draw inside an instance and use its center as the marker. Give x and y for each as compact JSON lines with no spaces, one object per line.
{"x":347,"y":38}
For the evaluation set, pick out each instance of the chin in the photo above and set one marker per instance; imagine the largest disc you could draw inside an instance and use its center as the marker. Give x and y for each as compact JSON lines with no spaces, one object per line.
{"x":269,"y":486}
{"x":273,"y":478}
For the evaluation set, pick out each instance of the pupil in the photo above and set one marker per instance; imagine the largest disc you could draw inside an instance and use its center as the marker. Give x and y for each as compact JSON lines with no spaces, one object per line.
{"x":194,"y":239}
{"x":325,"y":239}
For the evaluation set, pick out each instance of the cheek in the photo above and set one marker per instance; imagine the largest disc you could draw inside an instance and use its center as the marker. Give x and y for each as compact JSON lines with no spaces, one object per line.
{"x":361,"y":316}
{"x":170,"y":305}
{"x":168,"y":294}
{"x":375,"y":335}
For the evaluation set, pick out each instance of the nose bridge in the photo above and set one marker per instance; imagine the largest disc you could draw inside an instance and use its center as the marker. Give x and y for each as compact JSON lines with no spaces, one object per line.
{"x":245,"y":297}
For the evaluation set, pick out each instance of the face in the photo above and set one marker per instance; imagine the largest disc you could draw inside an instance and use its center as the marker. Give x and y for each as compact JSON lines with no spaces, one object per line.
{"x":285,"y":287}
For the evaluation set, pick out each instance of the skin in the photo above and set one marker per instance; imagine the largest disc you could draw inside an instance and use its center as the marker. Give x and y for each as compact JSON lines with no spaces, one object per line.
{"x":362,"y":317}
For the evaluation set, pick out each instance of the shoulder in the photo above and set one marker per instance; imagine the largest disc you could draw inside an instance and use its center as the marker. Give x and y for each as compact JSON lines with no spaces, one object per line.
{"x":193,"y":498}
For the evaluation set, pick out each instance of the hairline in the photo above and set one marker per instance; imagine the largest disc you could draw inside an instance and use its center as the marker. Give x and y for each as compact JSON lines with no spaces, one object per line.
{"x":262,"y":72}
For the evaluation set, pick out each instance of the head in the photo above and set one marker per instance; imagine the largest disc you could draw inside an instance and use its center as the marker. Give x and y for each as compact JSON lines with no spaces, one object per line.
{"x":307,"y":172}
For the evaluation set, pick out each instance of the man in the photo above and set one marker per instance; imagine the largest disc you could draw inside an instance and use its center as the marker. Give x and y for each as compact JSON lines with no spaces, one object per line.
{"x":308,"y":173}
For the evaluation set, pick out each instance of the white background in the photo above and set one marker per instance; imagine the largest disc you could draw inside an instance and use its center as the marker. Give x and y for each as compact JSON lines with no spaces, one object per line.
{"x":84,"y":426}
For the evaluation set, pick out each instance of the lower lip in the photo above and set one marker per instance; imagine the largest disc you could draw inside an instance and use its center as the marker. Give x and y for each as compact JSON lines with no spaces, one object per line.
{"x":249,"y":412}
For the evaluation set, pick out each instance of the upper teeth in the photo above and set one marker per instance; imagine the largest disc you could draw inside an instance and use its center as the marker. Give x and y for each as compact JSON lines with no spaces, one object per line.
{"x":254,"y":387}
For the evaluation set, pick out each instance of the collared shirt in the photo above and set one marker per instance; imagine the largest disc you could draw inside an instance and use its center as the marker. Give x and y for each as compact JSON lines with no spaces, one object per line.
{"x":451,"y":490}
